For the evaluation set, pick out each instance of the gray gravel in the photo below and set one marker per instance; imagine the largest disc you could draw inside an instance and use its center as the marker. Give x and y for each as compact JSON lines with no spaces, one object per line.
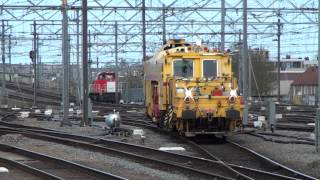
{"x":296,"y":156}
{"x":114,"y":165}
{"x":153,"y":140}
{"x":299,"y":157}
{"x":16,"y":174}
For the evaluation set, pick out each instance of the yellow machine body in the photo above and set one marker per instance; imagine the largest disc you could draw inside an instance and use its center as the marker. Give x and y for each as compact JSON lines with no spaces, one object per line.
{"x":192,"y":89}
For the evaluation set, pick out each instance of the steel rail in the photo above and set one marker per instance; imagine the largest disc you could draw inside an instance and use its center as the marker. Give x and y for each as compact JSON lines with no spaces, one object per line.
{"x":29,"y":169}
{"x":67,"y":164}
{"x":250,"y":172}
{"x":245,"y":170}
{"x":294,"y":173}
{"x":187,"y":164}
{"x":295,"y":141}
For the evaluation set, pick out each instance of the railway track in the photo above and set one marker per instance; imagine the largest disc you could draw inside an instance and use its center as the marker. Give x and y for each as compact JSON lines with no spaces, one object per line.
{"x":239,"y":156}
{"x":30,"y":100}
{"x":17,"y":170}
{"x":198,"y":167}
{"x":235,"y":156}
{"x":48,"y":167}
{"x":26,"y":89}
{"x":296,"y":118}
{"x":258,"y":167}
{"x":281,"y":138}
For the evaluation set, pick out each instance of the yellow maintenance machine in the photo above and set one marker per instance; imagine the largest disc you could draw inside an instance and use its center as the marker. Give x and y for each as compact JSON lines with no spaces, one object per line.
{"x":191,"y":88}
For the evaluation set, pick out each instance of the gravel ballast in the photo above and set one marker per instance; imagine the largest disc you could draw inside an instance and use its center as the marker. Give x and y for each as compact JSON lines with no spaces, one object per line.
{"x":299,"y":157}
{"x":115,"y":165}
{"x":152,"y":139}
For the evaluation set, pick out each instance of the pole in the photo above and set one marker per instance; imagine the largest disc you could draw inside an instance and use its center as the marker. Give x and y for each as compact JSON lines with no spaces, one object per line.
{"x":223,"y":14}
{"x":318,"y":93}
{"x":89,"y":63}
{"x":35,"y":63}
{"x":85,"y":92}
{"x":240,"y":64}
{"x":4,"y":100}
{"x":164,"y":23}
{"x":144,"y":30}
{"x":317,"y":126}
{"x":71,"y":76}
{"x":116,"y":59}
{"x":272,"y":115}
{"x":278,"y":67}
{"x":245,"y":64}
{"x":317,"y":123}
{"x":79,"y":87}
{"x":97,"y":65}
{"x":65,"y":58}
{"x":249,"y":74}
{"x":90,"y":60}
{"x":10,"y":66}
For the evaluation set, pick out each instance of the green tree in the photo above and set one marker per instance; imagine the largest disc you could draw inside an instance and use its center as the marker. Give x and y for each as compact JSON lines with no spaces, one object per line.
{"x":263,"y":74}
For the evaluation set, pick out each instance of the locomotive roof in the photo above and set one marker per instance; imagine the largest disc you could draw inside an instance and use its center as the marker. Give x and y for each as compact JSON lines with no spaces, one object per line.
{"x":174,"y":46}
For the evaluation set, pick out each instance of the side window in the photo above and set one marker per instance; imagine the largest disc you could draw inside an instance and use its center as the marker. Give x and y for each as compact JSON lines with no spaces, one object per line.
{"x":210,"y":68}
{"x":183,"y":68}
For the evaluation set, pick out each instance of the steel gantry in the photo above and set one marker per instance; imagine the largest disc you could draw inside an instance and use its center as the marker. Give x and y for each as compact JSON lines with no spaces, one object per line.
{"x":142,"y":25}
{"x":190,"y":20}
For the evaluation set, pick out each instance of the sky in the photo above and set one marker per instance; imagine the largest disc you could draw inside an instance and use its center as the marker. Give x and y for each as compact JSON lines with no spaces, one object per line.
{"x":298,"y":31}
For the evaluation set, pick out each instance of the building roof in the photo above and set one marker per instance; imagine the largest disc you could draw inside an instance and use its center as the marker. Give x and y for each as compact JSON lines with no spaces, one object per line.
{"x":308,"y":78}
{"x":290,"y":76}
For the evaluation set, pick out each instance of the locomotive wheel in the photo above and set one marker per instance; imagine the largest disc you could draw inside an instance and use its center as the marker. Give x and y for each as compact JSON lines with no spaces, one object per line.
{"x":95,"y":97}
{"x":100,"y":98}
{"x":180,"y":127}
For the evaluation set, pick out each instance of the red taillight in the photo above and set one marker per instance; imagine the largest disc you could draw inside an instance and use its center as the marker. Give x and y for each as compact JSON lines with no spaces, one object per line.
{"x":206,"y":49}
{"x":241,"y":100}
{"x":216,"y":92}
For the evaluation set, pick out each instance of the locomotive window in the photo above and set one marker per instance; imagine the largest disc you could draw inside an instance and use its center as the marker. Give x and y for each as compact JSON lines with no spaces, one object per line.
{"x":209,"y":68}
{"x":183,"y":68}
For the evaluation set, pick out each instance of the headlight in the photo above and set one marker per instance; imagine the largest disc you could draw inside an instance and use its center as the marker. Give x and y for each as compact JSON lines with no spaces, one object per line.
{"x":233,"y":92}
{"x":188,"y":93}
{"x":233,"y":96}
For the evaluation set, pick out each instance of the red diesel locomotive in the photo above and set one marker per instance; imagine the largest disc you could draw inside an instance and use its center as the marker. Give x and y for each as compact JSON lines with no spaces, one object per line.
{"x":103,"y":88}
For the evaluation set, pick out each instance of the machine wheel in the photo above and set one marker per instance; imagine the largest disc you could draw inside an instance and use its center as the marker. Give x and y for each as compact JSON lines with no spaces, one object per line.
{"x":160,"y":124}
{"x":166,"y":118}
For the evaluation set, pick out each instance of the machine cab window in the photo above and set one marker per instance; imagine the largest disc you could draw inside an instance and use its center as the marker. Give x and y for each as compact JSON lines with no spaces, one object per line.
{"x":209,"y":68}
{"x":183,"y":68}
